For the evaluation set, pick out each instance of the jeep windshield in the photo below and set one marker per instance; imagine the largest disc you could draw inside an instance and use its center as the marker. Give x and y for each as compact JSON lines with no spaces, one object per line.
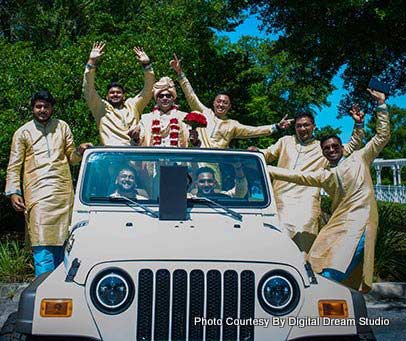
{"x":231,"y":179}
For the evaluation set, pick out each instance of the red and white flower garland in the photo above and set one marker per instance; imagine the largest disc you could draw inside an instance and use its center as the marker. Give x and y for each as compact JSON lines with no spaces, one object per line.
{"x":158,"y":132}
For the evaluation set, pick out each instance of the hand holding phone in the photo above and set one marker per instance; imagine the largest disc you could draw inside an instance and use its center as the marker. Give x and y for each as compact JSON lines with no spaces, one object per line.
{"x":375,"y":84}
{"x":378,"y":96}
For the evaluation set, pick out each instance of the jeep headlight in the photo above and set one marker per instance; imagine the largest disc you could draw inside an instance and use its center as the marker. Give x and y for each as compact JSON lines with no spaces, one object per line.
{"x":112,"y":291}
{"x":278,"y":292}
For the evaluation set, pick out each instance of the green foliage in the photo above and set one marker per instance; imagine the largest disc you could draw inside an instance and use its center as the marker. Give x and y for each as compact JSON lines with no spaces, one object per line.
{"x":47,"y":45}
{"x":367,"y":37}
{"x":326,"y":131}
{"x":15,"y":262}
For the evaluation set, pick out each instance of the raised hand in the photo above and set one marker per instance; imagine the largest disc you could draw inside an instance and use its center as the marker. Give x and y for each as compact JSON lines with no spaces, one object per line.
{"x":175,"y":65}
{"x":357,"y":114}
{"x":97,"y":51}
{"x":141,"y":56}
{"x":284,"y":123}
{"x":378,"y":96}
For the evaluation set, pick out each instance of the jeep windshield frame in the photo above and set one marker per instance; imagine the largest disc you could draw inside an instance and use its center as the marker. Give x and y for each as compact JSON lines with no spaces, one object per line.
{"x":239,"y":177}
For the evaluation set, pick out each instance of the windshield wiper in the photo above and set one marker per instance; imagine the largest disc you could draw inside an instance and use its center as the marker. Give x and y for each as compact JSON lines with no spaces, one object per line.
{"x":216,"y":204}
{"x":128,"y":201}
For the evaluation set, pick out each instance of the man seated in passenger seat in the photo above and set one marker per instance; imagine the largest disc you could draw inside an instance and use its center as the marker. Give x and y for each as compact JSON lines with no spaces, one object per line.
{"x":206,"y":184}
{"x":126,"y":185}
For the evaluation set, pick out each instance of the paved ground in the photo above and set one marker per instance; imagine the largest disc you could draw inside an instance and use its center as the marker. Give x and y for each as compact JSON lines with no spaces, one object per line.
{"x":9,"y":297}
{"x":395,"y":312}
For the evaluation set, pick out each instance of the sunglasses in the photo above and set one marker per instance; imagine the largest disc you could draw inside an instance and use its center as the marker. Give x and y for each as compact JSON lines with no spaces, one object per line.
{"x":165,"y":95}
{"x":203,"y":181}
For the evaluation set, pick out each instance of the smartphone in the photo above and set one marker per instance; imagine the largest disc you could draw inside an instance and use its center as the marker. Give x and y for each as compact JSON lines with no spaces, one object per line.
{"x":375,"y":84}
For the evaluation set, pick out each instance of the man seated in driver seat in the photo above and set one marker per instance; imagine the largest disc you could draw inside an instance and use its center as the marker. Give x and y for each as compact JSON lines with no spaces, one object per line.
{"x":126,"y":185}
{"x":206,"y":184}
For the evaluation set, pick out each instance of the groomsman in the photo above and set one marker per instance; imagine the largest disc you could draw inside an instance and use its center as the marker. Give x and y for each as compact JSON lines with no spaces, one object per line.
{"x":41,"y":152}
{"x":116,"y":116}
{"x":299,"y":206}
{"x":221,"y":130}
{"x":350,"y":234}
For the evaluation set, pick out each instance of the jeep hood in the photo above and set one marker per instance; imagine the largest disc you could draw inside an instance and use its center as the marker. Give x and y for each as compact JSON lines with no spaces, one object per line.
{"x":208,"y":236}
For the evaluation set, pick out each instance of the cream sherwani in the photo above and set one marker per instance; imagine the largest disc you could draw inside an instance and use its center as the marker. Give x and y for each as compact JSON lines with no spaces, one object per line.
{"x":44,"y":151}
{"x":114,"y":123}
{"x":353,"y":204}
{"x":220,"y":131}
{"x":299,"y":206}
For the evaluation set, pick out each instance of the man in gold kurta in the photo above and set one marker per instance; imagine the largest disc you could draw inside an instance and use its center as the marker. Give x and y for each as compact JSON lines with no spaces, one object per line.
{"x":221,"y":130}
{"x":340,"y":244}
{"x":44,"y":148}
{"x":116,"y":117}
{"x":299,"y":206}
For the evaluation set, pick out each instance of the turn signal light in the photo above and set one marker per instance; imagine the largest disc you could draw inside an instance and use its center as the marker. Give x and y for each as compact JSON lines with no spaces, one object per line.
{"x":333,"y":308}
{"x":51,"y":307}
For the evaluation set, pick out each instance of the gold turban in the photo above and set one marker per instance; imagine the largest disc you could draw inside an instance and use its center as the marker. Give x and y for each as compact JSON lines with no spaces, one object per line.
{"x":165,"y":83}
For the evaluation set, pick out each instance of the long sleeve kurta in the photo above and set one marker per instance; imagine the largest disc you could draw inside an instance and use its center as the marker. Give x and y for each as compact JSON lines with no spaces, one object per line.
{"x":220,"y":131}
{"x":114,"y":123}
{"x":44,"y":153}
{"x":299,"y":206}
{"x":354,"y":207}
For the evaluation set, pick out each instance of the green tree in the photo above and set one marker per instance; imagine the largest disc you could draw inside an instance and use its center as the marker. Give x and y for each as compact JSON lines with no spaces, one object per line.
{"x":326,"y":131}
{"x":48,"y":42}
{"x":368,"y":38}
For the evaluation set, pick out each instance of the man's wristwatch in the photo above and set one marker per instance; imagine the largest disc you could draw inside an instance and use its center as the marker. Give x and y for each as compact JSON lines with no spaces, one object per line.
{"x":147,"y":67}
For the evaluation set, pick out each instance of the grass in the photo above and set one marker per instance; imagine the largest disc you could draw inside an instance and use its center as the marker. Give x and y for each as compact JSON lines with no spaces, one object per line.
{"x":15,"y":262}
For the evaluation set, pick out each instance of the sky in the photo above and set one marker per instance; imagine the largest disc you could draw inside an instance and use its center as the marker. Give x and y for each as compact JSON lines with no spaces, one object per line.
{"x":327,"y":115}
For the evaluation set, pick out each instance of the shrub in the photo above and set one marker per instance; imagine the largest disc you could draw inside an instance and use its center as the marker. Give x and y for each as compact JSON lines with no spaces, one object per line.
{"x":15,"y":262}
{"x":390,"y":249}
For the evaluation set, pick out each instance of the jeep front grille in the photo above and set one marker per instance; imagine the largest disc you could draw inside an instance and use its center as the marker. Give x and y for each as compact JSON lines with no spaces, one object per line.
{"x":167,"y":304}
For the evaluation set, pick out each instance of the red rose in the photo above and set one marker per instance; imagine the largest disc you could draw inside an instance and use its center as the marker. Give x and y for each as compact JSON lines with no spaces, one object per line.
{"x":173,"y":142}
{"x":173,"y":121}
{"x":174,"y":127}
{"x":156,"y":122}
{"x":174,"y":135}
{"x":156,"y":130}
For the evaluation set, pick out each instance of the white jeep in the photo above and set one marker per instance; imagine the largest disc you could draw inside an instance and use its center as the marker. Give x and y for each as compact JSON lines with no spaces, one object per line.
{"x":182,"y":244}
